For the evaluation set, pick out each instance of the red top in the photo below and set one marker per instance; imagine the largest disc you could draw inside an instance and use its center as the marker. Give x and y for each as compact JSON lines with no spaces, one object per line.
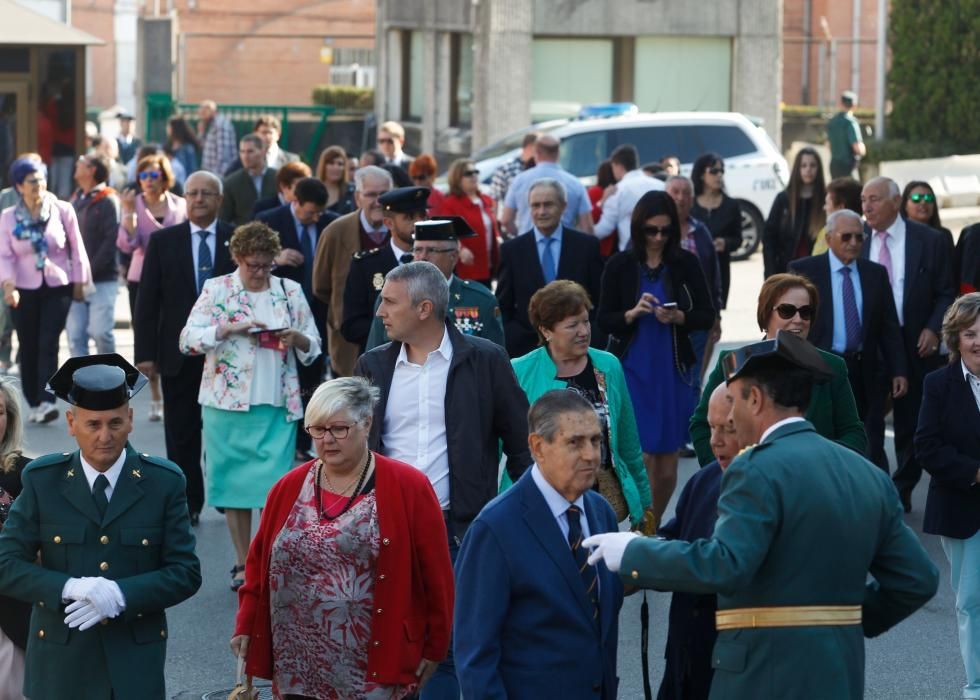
{"x":484,"y":266}
{"x":607,"y":246}
{"x":413,"y":588}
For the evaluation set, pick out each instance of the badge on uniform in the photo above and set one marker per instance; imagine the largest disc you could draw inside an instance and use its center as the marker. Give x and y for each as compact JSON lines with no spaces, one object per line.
{"x":378,"y":281}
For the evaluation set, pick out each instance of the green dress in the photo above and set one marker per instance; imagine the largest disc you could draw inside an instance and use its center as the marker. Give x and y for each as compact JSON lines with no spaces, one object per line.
{"x":801,"y":521}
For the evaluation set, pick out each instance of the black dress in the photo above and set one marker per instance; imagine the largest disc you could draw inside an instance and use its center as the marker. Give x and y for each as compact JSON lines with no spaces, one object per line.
{"x":724,"y":221}
{"x":15,"y":615}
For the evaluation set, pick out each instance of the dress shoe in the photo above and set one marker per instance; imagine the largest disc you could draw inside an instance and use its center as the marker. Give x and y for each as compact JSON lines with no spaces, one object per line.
{"x":156,"y":411}
{"x":906,"y":496}
{"x":46,"y":412}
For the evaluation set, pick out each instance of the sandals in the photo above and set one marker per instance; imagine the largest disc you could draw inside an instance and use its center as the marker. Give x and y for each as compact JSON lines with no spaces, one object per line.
{"x":237,"y":577}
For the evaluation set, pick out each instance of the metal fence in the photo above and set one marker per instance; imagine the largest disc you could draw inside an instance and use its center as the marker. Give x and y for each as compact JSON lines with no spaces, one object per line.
{"x":160,"y":107}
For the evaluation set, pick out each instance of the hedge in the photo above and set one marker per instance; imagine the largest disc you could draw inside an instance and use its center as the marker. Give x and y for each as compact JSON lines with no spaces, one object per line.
{"x":344,"y":97}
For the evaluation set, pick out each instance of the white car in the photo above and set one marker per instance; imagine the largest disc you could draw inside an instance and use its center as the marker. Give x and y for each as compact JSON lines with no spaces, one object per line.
{"x":755,"y":170}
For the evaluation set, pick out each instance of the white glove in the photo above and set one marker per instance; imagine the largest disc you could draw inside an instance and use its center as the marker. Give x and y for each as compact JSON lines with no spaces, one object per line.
{"x":610,"y":547}
{"x":82,"y":614}
{"x":96,"y":599}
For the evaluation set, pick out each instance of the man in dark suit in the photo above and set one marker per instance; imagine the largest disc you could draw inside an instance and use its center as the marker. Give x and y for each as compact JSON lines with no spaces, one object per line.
{"x":858,"y":322}
{"x":533,"y":619}
{"x":116,"y":546}
{"x":546,"y":253}
{"x":243,"y":188}
{"x":918,"y":265}
{"x":178,"y":261}
{"x":454,"y":440}
{"x":401,"y":208}
{"x":299,"y":225}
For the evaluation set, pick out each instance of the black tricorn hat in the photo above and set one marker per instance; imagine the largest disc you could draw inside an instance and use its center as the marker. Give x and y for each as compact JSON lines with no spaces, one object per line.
{"x":96,"y":382}
{"x":405,"y":200}
{"x":445,"y":228}
{"x":787,"y":350}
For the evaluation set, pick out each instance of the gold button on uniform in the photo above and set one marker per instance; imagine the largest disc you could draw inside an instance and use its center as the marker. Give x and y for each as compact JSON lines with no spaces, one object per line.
{"x":163,"y":633}
{"x":104,"y":539}
{"x":104,"y":566}
{"x":40,"y":634}
{"x":635,"y":575}
{"x":40,"y":604}
{"x":57,"y":539}
{"x":145,"y":542}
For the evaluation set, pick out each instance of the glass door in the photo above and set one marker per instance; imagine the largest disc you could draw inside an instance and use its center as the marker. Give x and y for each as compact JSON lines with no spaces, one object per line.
{"x":13,"y":124}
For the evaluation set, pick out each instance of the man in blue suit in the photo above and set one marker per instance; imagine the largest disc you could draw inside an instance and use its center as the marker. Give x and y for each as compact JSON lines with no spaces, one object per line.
{"x":533,"y":618}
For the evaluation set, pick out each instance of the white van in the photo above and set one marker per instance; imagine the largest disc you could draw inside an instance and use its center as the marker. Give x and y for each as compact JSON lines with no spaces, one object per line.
{"x":755,"y":171}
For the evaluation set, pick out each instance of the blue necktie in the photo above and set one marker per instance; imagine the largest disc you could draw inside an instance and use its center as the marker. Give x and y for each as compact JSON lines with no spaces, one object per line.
{"x":548,"y":261}
{"x":588,"y":573}
{"x":306,"y":243}
{"x":852,"y":322}
{"x":98,"y":493}
{"x":205,"y":264}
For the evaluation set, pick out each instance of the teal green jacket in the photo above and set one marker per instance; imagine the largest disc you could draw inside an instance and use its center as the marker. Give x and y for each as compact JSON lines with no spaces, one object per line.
{"x":144,"y":544}
{"x":536,"y":375}
{"x":832,"y":410}
{"x":801,"y":521}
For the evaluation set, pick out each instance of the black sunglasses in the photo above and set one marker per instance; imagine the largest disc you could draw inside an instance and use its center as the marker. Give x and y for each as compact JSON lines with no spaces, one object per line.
{"x":922,"y":197}
{"x":665,"y":231}
{"x":470,"y":173}
{"x":846,"y":237}
{"x":788,"y":311}
{"x":716,"y":171}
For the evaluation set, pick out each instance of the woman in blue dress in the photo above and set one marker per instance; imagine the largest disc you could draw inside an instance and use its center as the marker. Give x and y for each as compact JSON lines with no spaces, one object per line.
{"x":653,"y":294}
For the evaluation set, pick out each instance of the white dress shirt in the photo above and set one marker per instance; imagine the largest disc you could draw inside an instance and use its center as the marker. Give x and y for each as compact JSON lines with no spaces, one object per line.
{"x":896,"y":246}
{"x":617,"y":210}
{"x":777,"y":425}
{"x":973,"y":381}
{"x":212,"y":241}
{"x":414,"y":429}
{"x":558,"y":505}
{"x":112,"y":473}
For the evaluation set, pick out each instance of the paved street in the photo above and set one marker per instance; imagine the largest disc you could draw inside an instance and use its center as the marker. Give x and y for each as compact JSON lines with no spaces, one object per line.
{"x":919,"y":659}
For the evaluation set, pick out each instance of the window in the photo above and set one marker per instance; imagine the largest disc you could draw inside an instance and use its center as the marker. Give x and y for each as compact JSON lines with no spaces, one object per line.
{"x":413,"y":75}
{"x":727,"y":141}
{"x":461,"y":99}
{"x":582,"y":153}
{"x":568,"y":73}
{"x":655,"y":142}
{"x":687,"y":73}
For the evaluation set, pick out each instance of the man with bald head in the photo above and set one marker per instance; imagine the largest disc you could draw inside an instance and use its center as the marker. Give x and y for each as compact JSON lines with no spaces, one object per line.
{"x":179,"y":260}
{"x":516,"y":215}
{"x":919,"y":271}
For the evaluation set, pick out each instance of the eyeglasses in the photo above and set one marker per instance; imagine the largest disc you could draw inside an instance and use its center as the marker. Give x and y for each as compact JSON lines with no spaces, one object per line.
{"x":260,"y":267}
{"x":846,"y":237}
{"x":788,"y":311}
{"x":194,"y":194}
{"x":716,"y":171}
{"x":922,"y":197}
{"x":338,"y":432}
{"x":429,"y":251}
{"x":33,"y":180}
{"x":471,"y":173}
{"x":386,"y":141}
{"x":665,"y":231}
{"x":150,"y":175}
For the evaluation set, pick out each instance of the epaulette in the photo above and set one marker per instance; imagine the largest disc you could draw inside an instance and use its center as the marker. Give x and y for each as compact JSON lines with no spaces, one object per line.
{"x":52,"y":459}
{"x":160,"y":462}
{"x":478,"y":288}
{"x":361,"y":254}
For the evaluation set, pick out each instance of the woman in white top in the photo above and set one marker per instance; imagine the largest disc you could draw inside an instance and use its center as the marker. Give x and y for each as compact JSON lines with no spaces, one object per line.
{"x":252,"y":327}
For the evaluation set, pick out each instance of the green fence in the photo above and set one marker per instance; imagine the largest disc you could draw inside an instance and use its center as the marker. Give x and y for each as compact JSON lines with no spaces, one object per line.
{"x":160,"y":107}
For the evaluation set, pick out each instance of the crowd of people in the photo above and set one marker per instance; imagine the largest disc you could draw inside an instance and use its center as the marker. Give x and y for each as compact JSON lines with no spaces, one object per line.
{"x":461,"y":414}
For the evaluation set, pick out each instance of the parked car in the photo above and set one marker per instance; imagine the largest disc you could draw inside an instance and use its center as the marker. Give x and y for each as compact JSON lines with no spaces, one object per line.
{"x":755,"y":170}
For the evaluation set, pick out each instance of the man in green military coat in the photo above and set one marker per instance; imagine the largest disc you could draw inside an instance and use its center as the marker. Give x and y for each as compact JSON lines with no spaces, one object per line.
{"x":801,"y":523}
{"x":473,"y":308}
{"x":116,"y":546}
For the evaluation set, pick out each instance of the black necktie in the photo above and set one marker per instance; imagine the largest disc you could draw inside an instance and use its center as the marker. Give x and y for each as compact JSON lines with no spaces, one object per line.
{"x":306,"y":243}
{"x":406,"y":258}
{"x":98,"y":494}
{"x":588,"y":573}
{"x":204,"y":262}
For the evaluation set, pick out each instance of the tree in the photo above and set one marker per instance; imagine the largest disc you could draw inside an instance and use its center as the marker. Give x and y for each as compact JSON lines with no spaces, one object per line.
{"x":935,"y":67}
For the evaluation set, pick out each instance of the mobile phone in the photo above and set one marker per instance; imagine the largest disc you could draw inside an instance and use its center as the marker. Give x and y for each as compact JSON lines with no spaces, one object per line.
{"x":669,"y":305}
{"x":267,"y":330}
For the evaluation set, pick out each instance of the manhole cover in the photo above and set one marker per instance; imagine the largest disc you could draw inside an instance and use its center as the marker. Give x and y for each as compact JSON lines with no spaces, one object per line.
{"x":265,"y":693}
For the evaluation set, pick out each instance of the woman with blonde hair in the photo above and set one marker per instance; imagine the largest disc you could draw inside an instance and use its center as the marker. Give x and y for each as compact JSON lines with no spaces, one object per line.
{"x":331,"y":170}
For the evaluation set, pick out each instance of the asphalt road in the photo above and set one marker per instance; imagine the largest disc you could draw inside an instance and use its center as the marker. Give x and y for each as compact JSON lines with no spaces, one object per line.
{"x":919,"y":659}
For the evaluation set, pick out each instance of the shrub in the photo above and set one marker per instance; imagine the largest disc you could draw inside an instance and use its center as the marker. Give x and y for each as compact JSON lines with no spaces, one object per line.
{"x":344,"y":97}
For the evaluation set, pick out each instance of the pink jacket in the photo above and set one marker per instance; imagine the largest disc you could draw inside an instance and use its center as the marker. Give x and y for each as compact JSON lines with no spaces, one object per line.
{"x":67,"y":261}
{"x":145,"y":226}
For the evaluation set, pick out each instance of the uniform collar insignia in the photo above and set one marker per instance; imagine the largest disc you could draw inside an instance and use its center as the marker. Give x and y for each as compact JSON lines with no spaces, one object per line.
{"x":70,"y":473}
{"x":136,"y":474}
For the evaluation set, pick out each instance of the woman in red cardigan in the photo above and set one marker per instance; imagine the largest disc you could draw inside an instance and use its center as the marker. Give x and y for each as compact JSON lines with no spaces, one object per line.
{"x":348,"y":584}
{"x":479,"y":256}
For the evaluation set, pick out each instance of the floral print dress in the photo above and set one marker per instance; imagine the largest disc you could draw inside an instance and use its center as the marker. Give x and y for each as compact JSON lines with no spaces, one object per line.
{"x":321,"y":583}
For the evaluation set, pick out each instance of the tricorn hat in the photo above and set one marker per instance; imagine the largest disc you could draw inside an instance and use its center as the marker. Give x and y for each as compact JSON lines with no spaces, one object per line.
{"x":96,"y":382}
{"x":787,"y":350}
{"x":445,"y":228}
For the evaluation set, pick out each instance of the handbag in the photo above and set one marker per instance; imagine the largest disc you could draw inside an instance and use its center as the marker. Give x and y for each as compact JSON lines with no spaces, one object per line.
{"x":243,"y":690}
{"x":612,"y":491}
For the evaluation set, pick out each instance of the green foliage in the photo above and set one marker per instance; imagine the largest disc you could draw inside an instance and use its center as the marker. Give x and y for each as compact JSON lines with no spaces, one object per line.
{"x":344,"y":97}
{"x":901,"y":149}
{"x":932,"y":82}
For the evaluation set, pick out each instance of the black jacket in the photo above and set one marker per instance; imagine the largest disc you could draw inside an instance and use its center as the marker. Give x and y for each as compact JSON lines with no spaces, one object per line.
{"x":520,"y":276}
{"x":98,"y":222}
{"x":364,"y":281}
{"x":168,"y":290}
{"x":484,"y":406}
{"x":966,"y":260}
{"x":15,"y":615}
{"x":782,"y":232}
{"x":947,"y":444}
{"x":686,"y":285}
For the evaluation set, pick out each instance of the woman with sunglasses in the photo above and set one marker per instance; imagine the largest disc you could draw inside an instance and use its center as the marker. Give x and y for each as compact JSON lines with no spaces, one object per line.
{"x":479,"y":256}
{"x":43,"y":266}
{"x":919,"y":204}
{"x":155,"y":207}
{"x":252,"y":328}
{"x":349,"y":585}
{"x":653,"y":294}
{"x":797,"y":214}
{"x":719,"y":212}
{"x":788,"y":302}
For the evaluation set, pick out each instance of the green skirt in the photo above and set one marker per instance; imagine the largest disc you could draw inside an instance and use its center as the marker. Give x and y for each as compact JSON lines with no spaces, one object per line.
{"x":246,"y":453}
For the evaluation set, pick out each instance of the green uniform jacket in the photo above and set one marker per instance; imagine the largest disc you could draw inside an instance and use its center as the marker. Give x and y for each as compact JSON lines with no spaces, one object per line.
{"x":536,"y":375}
{"x":144,"y":544}
{"x":472,"y":309}
{"x":832,"y":411}
{"x":801,"y":521}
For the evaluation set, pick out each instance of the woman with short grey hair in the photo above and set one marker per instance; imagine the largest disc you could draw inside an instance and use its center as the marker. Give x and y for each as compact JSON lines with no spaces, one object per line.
{"x":351,"y":554}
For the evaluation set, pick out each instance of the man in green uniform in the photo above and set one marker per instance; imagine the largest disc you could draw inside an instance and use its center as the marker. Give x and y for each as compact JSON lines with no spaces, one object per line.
{"x":844,"y":137}
{"x":801,"y":523}
{"x":473,"y":308}
{"x":116,"y":547}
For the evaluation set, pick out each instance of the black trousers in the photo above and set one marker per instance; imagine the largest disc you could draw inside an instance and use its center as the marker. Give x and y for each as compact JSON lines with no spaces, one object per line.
{"x":310,"y":377}
{"x":182,"y":426}
{"x":906,"y":419}
{"x":39,"y":319}
{"x":869,"y":395}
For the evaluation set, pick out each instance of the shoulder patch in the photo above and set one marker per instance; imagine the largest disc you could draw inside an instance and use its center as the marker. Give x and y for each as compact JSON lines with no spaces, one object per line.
{"x":361,"y":254}
{"x":43,"y":461}
{"x":160,"y":462}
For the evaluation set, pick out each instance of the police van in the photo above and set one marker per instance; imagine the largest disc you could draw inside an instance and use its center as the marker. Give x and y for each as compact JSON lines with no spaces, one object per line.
{"x":755,"y":170}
